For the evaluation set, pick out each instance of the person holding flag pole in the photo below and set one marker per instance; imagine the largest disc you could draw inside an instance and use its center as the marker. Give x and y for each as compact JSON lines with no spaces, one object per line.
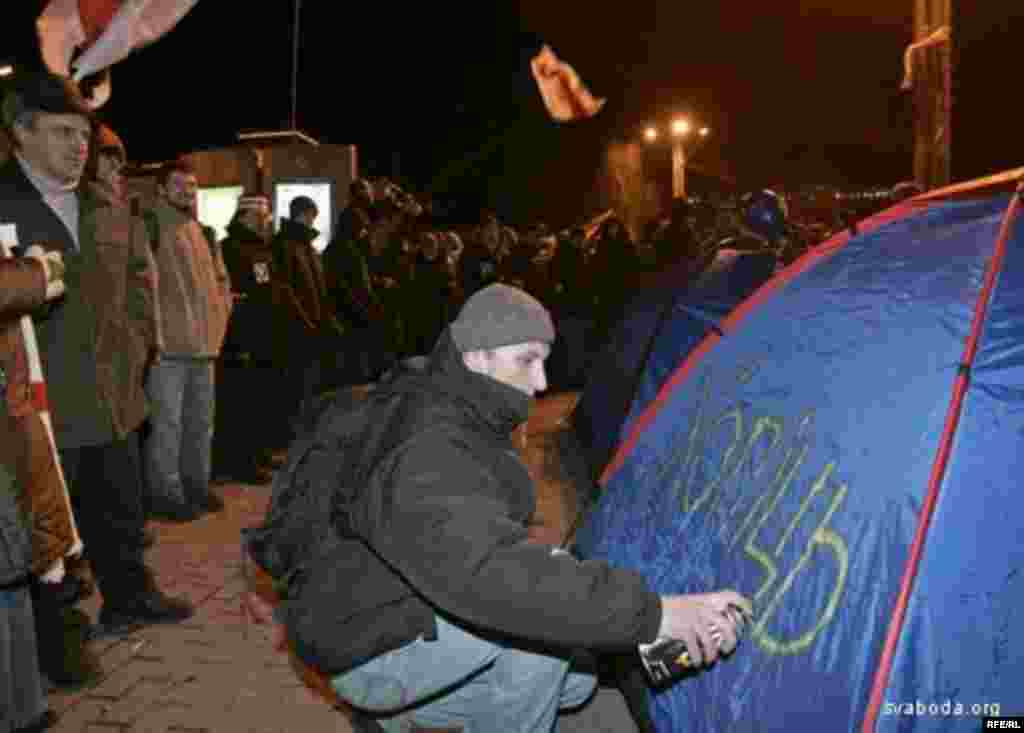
{"x":37,"y":524}
{"x":94,"y":345}
{"x":53,"y":266}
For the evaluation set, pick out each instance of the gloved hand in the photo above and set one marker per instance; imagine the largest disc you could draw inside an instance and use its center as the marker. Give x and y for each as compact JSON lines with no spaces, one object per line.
{"x":706,"y":622}
{"x":53,"y":265}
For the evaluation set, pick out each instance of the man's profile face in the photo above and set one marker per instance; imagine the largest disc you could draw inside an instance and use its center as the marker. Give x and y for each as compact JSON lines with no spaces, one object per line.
{"x":181,"y":191}
{"x":56,"y":146}
{"x":518,"y":365}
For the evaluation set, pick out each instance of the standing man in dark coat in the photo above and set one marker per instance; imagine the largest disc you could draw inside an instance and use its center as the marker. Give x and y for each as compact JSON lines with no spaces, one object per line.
{"x":94,"y":345}
{"x":309,"y":340}
{"x":348,"y":281}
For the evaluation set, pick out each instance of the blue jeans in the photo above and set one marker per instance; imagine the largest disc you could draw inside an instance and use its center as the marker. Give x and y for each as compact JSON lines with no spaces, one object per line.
{"x":463,"y":680}
{"x":182,"y":400}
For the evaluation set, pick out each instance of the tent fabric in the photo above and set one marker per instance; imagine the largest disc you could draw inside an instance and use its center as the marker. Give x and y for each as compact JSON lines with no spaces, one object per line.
{"x":796,"y":455}
{"x":659,"y":325}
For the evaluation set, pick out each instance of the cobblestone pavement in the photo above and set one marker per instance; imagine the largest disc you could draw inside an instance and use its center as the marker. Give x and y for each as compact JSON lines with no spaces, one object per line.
{"x":218,"y":673}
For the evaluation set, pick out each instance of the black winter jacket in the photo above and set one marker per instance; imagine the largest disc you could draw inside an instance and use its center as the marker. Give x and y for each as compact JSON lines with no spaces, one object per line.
{"x":442,"y":525}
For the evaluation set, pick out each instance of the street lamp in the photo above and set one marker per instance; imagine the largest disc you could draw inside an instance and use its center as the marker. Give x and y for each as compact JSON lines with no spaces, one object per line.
{"x":6,"y":70}
{"x":680,"y":129}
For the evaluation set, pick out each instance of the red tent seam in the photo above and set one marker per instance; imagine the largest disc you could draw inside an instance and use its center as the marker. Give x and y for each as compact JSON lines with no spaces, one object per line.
{"x":884,"y":670}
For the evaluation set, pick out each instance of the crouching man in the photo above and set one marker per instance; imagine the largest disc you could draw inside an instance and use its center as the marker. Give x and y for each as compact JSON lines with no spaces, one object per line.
{"x":436,"y":611}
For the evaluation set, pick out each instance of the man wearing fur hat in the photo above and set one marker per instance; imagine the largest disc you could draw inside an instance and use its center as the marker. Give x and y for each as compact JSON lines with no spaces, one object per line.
{"x":435,"y":609}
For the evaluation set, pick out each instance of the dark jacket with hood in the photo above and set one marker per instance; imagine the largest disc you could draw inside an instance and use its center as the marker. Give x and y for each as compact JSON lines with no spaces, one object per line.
{"x":441,"y":526}
{"x":304,"y":309}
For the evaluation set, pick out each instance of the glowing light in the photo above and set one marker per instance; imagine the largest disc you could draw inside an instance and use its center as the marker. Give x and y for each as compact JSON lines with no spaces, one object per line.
{"x":651,"y":134}
{"x":705,"y":131}
{"x":6,"y":70}
{"x":680,"y":127}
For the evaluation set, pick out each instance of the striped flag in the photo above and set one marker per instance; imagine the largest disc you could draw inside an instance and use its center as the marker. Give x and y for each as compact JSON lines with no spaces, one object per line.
{"x":8,"y":241}
{"x":564,"y":95}
{"x":104,"y":31}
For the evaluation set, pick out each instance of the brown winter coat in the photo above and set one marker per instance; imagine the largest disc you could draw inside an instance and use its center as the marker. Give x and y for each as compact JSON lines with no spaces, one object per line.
{"x":27,"y":464}
{"x":195,"y":289}
{"x":94,"y":341}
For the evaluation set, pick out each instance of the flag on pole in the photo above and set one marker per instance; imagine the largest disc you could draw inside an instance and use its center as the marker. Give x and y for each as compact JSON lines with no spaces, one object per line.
{"x":564,"y":95}
{"x":8,"y":241}
{"x":104,"y":31}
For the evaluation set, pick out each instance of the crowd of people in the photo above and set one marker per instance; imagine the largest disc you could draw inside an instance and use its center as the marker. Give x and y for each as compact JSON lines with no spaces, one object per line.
{"x":394,"y":275}
{"x":173,"y":359}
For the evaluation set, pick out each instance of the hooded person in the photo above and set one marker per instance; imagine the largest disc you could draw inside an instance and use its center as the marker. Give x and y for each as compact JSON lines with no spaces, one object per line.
{"x":436,"y":608}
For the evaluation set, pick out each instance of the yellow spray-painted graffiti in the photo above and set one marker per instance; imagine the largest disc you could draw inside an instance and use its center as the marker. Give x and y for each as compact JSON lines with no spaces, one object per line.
{"x":755,"y":443}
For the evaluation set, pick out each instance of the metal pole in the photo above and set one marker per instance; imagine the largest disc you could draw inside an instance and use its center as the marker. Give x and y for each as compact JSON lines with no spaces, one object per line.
{"x":932,"y":95}
{"x":947,"y":93}
{"x":678,"y":170}
{"x":295,"y":69}
{"x":922,"y":138}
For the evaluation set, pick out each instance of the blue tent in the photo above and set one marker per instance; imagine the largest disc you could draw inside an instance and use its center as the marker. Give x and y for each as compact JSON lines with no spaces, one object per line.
{"x":846,"y":449}
{"x":659,"y":327}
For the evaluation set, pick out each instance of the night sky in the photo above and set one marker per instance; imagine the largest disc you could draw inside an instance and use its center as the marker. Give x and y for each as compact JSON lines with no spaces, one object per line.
{"x":440,"y":94}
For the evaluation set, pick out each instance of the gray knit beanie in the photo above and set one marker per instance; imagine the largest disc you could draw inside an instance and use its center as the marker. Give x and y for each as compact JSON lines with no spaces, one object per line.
{"x":500,"y":315}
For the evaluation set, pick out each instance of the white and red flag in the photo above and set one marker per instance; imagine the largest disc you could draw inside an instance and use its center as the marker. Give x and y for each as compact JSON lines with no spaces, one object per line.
{"x":565,"y":96}
{"x":104,"y":32}
{"x":9,"y":241}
